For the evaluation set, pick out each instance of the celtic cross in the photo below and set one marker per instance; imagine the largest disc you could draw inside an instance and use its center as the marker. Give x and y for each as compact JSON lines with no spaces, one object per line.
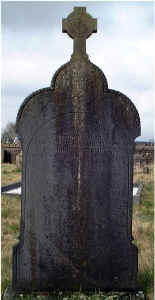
{"x":79,"y":25}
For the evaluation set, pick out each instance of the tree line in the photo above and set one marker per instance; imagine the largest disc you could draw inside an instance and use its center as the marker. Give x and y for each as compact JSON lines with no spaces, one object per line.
{"x":9,"y":133}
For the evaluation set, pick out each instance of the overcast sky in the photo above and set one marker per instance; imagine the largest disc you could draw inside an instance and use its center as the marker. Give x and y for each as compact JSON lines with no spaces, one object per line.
{"x":34,"y":47}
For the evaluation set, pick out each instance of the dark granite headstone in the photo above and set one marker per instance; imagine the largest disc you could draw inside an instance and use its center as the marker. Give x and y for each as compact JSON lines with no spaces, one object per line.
{"x":77,"y":140}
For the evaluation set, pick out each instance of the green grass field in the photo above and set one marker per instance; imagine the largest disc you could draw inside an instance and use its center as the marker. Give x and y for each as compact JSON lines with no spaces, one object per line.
{"x":10,"y":174}
{"x":143,"y":232}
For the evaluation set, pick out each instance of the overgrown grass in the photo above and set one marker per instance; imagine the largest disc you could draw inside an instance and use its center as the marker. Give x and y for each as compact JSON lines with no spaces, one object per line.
{"x":80,"y":296}
{"x":143,"y":232}
{"x":10,"y":174}
{"x":10,"y":231}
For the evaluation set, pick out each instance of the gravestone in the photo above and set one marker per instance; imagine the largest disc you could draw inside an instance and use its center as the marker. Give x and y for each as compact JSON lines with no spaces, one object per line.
{"x":146,"y":170}
{"x":19,"y":160}
{"x":77,"y":139}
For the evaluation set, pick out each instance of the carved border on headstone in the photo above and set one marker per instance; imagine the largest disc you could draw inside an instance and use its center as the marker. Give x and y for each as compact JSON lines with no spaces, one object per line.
{"x":27,"y":99}
{"x":127,"y":110}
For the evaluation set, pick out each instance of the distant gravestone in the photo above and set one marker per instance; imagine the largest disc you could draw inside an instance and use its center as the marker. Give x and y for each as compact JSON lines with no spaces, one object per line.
{"x":77,"y":141}
{"x":146,"y":170}
{"x":19,"y":160}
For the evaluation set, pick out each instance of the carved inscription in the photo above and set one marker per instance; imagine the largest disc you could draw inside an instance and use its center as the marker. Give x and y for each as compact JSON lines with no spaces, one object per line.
{"x":68,"y":143}
{"x":78,"y":82}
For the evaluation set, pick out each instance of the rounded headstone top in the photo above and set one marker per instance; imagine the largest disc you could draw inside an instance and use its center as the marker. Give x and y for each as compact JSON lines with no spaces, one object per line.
{"x":79,"y":73}
{"x":83,"y":74}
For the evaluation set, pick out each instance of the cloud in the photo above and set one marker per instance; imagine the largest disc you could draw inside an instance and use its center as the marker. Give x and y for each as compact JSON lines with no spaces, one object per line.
{"x":33,"y":48}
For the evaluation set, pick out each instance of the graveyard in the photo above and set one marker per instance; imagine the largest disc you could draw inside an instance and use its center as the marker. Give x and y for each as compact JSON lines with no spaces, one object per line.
{"x":78,"y":230}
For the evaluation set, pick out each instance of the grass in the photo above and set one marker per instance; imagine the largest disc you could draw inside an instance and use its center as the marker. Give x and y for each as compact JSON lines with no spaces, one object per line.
{"x":81,"y":296}
{"x":10,"y":174}
{"x":10,"y":231}
{"x":78,"y":296}
{"x":143,"y":232}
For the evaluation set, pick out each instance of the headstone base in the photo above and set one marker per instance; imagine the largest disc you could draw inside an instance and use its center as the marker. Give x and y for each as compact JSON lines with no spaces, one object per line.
{"x":10,"y":294}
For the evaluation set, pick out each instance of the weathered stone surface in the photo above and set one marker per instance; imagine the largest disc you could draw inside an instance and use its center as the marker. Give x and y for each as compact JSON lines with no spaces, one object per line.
{"x":77,"y":140}
{"x":79,"y":26}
